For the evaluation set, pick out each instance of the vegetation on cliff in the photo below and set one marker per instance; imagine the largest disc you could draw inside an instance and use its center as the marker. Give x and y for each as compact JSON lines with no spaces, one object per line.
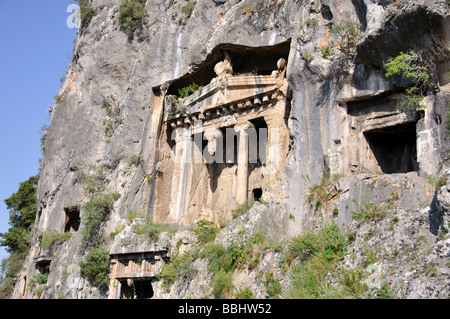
{"x":22,"y":213}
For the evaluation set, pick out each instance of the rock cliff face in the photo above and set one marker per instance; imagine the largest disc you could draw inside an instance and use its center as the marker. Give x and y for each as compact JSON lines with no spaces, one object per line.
{"x":328,"y":119}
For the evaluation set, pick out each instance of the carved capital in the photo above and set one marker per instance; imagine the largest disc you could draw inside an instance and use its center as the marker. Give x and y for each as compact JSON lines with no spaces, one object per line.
{"x":242,"y":127}
{"x":211,"y":135}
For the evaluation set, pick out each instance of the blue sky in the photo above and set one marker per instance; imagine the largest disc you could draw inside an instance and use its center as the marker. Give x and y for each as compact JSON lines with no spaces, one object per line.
{"x":35,"y":47}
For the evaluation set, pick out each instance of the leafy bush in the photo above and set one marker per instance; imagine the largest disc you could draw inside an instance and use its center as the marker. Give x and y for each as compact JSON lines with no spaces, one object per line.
{"x":184,"y":92}
{"x":95,"y":211}
{"x":384,"y":292}
{"x":410,"y":66}
{"x":151,"y":230}
{"x":206,"y":231}
{"x":243,"y":208}
{"x":243,"y":293}
{"x":328,"y":242}
{"x":95,"y":268}
{"x":272,"y":285}
{"x":132,"y":15}
{"x":38,"y":283}
{"x":180,"y":266}
{"x":219,"y":257}
{"x":221,"y":282}
{"x":186,"y":10}
{"x":52,"y":238}
{"x":350,"y":33}
{"x":369,"y":211}
{"x":351,"y":281}
{"x":39,"y":279}
{"x":22,"y":213}
{"x":320,"y":193}
{"x":87,"y":12}
{"x":311,"y":277}
{"x":136,"y":159}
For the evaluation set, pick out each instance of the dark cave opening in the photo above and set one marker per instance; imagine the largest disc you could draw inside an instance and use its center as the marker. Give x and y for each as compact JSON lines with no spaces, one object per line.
{"x":394,"y":148}
{"x":245,"y":60}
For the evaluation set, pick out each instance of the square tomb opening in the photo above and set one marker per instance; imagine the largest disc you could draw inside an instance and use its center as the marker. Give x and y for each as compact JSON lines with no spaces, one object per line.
{"x":73,"y":220}
{"x":394,"y":147}
{"x":136,"y":289}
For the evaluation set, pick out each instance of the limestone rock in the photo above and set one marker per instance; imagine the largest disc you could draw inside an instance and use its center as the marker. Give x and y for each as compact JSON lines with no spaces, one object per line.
{"x":329,"y":123}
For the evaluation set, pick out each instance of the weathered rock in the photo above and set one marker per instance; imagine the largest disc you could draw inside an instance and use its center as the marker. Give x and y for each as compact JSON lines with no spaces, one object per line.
{"x":337,"y":117}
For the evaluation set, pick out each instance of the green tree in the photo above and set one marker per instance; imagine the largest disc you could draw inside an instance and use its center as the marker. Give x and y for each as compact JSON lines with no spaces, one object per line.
{"x":350,"y":33}
{"x":87,"y":12}
{"x":132,"y":15}
{"x":95,"y":267}
{"x":411,"y":67}
{"x":22,"y":213}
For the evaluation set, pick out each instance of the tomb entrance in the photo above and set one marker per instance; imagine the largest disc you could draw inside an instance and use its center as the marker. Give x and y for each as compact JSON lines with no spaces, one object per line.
{"x":222,"y":142}
{"x":133,"y":274}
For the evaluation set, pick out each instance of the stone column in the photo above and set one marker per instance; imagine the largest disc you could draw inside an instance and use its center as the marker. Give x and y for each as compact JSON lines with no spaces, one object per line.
{"x":180,"y":177}
{"x":242,"y":165}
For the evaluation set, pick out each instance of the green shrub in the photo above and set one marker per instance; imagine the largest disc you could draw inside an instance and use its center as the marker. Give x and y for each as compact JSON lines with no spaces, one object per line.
{"x":184,"y":92}
{"x":307,"y":56}
{"x":351,"y":281}
{"x":22,"y":214}
{"x":318,"y":253}
{"x":38,"y":279}
{"x":369,"y":211}
{"x":243,"y":293}
{"x":410,"y":66}
{"x":243,"y":208}
{"x":136,"y":159}
{"x":186,"y":10}
{"x":132,"y":15}
{"x":273,"y":286}
{"x":95,"y":267}
{"x":52,"y":238}
{"x":219,"y":257}
{"x":87,"y":12}
{"x":179,"y":267}
{"x":151,"y":230}
{"x":320,"y":193}
{"x":350,"y":33}
{"x":326,"y":51}
{"x":206,"y":231}
{"x":328,"y":242}
{"x":226,"y":259}
{"x":38,"y":283}
{"x":384,"y":292}
{"x":309,"y":279}
{"x":95,"y":211}
{"x":221,"y":283}
{"x":117,"y":230}
{"x":305,"y":246}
